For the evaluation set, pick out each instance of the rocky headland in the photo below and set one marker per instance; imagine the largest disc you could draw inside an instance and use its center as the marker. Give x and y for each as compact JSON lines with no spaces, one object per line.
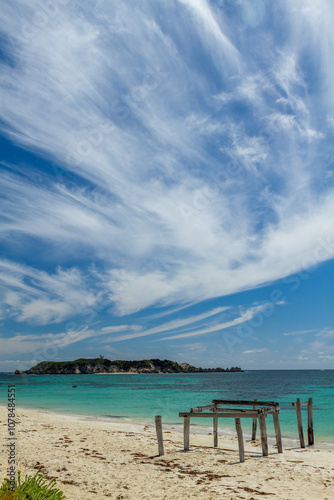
{"x":103,"y":366}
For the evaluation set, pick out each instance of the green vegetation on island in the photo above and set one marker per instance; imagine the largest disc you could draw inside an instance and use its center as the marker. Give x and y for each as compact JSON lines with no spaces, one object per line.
{"x":103,"y":365}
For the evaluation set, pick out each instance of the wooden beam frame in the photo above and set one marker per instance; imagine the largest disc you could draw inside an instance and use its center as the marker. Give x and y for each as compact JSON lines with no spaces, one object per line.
{"x":260,"y":410}
{"x":236,"y":414}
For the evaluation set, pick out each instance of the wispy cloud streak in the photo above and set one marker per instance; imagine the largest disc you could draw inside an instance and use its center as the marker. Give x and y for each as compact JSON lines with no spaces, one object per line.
{"x":169,"y":161}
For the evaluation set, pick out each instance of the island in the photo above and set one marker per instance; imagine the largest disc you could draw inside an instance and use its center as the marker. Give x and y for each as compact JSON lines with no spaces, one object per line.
{"x":102,"y":365}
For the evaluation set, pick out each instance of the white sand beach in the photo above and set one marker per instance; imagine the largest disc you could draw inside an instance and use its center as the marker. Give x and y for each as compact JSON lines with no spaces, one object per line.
{"x":100,"y":460}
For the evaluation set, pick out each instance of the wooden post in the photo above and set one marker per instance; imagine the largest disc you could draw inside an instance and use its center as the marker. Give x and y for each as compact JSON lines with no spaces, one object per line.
{"x":278,"y":431}
{"x":263,"y":430}
{"x":300,"y":424}
{"x":215,"y":430}
{"x":186,"y":432}
{"x":240,"y":440}
{"x":254,"y":423}
{"x":158,"y":428}
{"x":310,"y":433}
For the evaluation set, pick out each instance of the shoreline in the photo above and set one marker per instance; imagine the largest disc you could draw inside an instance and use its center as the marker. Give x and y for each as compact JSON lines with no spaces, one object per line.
{"x":227,"y":430}
{"x":102,"y":459}
{"x":120,"y":373}
{"x":77,"y":374}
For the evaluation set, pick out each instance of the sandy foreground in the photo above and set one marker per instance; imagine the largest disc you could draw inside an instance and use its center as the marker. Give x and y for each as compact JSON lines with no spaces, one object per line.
{"x":98,"y":459}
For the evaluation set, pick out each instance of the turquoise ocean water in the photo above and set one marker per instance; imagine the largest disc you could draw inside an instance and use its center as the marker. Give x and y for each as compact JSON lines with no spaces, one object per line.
{"x":141,"y":397}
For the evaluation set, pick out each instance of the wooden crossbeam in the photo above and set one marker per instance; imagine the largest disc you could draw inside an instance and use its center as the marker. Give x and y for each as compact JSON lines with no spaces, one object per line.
{"x":234,"y":414}
{"x":246,"y":403}
{"x":259,"y":410}
{"x":202,"y":408}
{"x":229,"y":410}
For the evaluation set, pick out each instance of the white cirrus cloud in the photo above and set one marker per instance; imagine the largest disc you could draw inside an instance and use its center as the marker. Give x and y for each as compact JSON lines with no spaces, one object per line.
{"x":170,"y":175}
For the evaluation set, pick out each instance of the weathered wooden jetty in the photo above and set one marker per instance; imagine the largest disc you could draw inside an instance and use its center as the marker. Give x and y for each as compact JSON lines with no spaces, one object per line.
{"x":259,"y":411}
{"x":217,"y":410}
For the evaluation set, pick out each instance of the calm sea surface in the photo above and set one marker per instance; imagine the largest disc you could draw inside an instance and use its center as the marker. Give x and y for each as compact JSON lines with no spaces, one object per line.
{"x":141,"y":397}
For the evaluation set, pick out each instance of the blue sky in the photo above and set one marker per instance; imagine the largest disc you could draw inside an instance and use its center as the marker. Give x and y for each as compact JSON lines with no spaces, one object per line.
{"x":167,"y":182}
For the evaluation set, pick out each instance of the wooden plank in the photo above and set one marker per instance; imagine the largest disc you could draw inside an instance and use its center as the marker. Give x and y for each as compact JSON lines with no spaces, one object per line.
{"x":158,"y":428}
{"x":278,"y":432}
{"x":215,"y":430}
{"x":269,"y":411}
{"x":300,"y":424}
{"x":254,"y":422}
{"x":301,"y":403}
{"x":235,"y":414}
{"x":310,"y":433}
{"x":247,"y":403}
{"x":241,"y":410}
{"x":263,"y":430}
{"x":240,"y":440}
{"x":201,"y":408}
{"x":186,"y":432}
